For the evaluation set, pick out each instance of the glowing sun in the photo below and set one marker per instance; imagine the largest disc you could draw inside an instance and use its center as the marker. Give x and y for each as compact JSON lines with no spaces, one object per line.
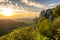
{"x":7,"y":12}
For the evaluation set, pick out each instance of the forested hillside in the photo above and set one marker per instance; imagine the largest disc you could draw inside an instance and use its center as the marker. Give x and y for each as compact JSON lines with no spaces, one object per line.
{"x":45,"y":29}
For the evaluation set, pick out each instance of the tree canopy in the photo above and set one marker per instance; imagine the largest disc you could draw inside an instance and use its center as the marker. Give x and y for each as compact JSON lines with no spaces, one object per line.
{"x":56,"y":11}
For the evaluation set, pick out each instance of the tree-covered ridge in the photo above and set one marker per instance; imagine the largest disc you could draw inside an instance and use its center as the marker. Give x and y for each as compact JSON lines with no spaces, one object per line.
{"x":45,"y":28}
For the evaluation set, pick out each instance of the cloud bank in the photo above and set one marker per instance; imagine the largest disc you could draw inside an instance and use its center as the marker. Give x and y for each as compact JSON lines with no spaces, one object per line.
{"x":35,"y":4}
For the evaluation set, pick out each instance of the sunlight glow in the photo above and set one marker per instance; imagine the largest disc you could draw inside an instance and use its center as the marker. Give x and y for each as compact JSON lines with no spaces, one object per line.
{"x":7,"y":11}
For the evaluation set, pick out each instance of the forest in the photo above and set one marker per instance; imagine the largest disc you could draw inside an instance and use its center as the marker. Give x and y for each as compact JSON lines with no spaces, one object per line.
{"x":44,"y":28}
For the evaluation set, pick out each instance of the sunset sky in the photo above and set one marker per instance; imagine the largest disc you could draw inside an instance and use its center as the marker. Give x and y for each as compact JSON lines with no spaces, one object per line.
{"x":28,"y":8}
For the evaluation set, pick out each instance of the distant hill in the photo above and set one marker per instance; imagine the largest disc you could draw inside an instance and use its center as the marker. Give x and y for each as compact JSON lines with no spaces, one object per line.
{"x":7,"y":25}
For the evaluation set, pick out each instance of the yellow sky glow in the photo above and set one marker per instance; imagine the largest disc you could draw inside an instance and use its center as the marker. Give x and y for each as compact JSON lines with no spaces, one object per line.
{"x":14,"y":13}
{"x":7,"y":12}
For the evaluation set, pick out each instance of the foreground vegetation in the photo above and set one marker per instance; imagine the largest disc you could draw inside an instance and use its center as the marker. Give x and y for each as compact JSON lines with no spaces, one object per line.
{"x":23,"y":34}
{"x":45,"y":29}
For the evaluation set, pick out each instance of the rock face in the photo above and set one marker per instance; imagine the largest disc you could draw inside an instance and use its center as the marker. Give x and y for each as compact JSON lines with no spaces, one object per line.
{"x":47,"y":13}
